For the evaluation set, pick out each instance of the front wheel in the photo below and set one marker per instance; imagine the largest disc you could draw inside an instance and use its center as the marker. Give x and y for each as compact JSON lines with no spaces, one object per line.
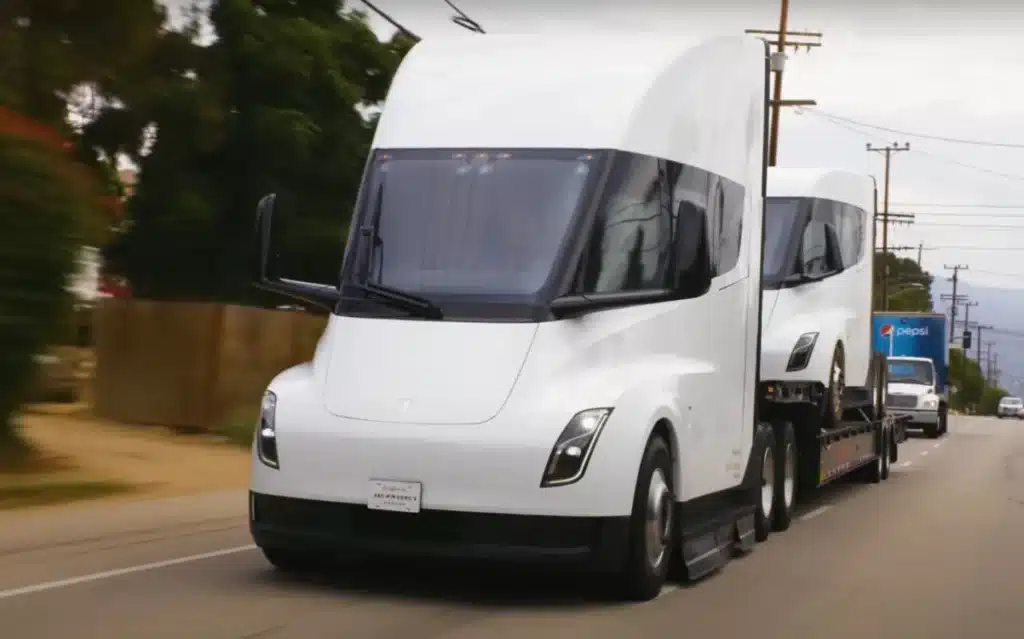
{"x":765,"y":489}
{"x":652,"y":526}
{"x":292,"y":561}
{"x":833,"y":413}
{"x":785,"y":475}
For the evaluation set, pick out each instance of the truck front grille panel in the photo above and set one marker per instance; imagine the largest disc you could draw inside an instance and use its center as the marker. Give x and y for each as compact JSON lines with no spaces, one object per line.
{"x":898,"y":400}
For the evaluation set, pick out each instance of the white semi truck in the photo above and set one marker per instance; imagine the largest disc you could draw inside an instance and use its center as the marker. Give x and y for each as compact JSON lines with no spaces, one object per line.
{"x":544,"y":343}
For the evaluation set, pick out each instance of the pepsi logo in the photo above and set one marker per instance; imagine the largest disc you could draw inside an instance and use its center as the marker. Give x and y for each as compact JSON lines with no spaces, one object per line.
{"x":886,"y":330}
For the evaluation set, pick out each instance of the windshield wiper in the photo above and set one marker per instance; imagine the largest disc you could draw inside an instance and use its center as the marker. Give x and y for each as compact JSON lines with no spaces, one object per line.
{"x":419,"y":306}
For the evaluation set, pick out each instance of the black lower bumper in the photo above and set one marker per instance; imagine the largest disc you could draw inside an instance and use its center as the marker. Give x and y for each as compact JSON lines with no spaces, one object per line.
{"x":338,"y":529}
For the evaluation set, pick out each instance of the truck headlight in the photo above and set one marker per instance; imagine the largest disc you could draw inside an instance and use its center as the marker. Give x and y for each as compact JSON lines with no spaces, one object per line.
{"x":572,"y":450}
{"x":929,"y":403}
{"x":266,"y":431}
{"x":800,"y":357}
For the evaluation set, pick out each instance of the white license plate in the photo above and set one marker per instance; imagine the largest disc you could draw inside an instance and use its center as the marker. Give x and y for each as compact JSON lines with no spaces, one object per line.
{"x":395,"y":496}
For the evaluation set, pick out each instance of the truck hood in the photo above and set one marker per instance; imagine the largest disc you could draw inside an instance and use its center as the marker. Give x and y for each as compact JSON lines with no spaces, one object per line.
{"x":769,"y":298}
{"x":421,"y":372}
{"x":908,"y":389}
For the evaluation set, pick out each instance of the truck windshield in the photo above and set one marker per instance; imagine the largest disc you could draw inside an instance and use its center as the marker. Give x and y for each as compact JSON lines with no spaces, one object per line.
{"x":467,"y":223}
{"x":1011,"y":401}
{"x":910,"y":372}
{"x":784,"y":218}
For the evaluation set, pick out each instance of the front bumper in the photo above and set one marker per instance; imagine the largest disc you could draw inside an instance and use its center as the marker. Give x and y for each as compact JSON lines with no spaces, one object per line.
{"x":918,"y":417}
{"x":1009,"y":413}
{"x":344,"y":529}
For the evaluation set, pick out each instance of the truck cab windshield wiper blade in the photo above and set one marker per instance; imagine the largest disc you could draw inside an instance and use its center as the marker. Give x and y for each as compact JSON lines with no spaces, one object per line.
{"x":419,"y":306}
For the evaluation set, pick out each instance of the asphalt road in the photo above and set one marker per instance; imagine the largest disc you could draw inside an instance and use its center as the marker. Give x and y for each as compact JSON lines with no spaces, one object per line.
{"x":934,"y":553}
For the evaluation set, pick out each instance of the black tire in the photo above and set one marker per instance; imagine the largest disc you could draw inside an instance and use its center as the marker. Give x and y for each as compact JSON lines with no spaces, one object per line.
{"x":881,"y":385}
{"x":832,"y":409}
{"x":292,"y":561}
{"x":886,"y":455}
{"x":764,"y":506}
{"x":873,"y":472}
{"x":944,"y":421}
{"x":931,"y":431}
{"x":644,"y":575}
{"x":787,"y":475}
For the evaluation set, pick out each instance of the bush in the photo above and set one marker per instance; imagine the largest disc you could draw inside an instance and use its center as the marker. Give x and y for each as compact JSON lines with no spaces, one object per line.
{"x":50,"y":206}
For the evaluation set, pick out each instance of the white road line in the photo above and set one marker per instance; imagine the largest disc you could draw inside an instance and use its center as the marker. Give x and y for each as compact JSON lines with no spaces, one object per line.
{"x":906,"y":463}
{"x":668,"y":589}
{"x":107,"y":574}
{"x":923,"y":453}
{"x":936,"y":445}
{"x":820,"y":510}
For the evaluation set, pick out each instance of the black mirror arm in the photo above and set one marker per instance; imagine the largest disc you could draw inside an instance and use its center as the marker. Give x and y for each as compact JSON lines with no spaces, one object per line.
{"x":319,"y":295}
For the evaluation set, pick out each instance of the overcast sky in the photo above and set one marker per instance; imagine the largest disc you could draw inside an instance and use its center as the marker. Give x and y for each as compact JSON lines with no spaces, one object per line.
{"x":917,"y":67}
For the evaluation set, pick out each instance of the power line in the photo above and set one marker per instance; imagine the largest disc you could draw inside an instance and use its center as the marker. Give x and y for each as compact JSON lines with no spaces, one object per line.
{"x":464,"y":20}
{"x":934,"y":156}
{"x":938,"y":205}
{"x":923,"y":136}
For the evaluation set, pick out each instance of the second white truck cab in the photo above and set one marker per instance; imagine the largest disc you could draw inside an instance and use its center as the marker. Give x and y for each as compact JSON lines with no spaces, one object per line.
{"x":1010,"y":407}
{"x":914,"y":378}
{"x":818,"y":272}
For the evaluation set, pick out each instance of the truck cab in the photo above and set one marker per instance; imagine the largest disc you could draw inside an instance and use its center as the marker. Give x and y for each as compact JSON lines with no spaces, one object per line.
{"x":817,"y":287}
{"x":913,"y":391}
{"x":542,"y":344}
{"x":1010,"y":407}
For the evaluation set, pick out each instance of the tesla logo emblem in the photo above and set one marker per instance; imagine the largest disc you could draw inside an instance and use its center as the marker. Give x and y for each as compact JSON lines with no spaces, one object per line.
{"x":404,"y":403}
{"x":886,"y":330}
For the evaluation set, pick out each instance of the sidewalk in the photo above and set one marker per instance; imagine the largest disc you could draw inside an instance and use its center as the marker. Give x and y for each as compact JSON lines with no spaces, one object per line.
{"x":122,"y":462}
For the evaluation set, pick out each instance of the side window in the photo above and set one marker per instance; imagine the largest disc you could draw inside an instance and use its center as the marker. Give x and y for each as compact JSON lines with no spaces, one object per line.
{"x":631,"y":245}
{"x":730,"y":238}
{"x":851,"y":234}
{"x":814,"y":248}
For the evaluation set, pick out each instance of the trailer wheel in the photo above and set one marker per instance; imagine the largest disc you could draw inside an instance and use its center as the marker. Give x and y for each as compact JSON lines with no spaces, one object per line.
{"x":652,"y":526}
{"x":877,"y":470}
{"x":888,"y":440}
{"x":764,"y":490}
{"x":833,"y":412}
{"x":786,"y":475}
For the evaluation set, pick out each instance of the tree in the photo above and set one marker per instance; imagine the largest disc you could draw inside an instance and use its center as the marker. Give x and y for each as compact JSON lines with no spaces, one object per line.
{"x":273,"y":104}
{"x":50,"y":205}
{"x":909,"y":287}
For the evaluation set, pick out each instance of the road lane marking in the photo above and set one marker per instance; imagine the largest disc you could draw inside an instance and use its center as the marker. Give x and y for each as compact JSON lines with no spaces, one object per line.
{"x":923,"y":453}
{"x":820,"y":510}
{"x":107,"y":574}
{"x":906,"y":463}
{"x":936,"y":445}
{"x":668,"y":589}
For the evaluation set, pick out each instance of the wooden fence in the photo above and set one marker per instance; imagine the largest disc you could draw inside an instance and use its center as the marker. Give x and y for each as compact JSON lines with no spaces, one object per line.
{"x":190,"y":365}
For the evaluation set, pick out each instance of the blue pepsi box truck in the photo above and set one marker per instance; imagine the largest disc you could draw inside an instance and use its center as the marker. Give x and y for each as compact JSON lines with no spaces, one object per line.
{"x":917,"y":349}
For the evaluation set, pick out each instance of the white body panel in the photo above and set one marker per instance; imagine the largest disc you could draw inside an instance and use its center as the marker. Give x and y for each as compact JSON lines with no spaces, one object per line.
{"x":472,"y":409}
{"x":838,"y":307}
{"x":926,"y":403}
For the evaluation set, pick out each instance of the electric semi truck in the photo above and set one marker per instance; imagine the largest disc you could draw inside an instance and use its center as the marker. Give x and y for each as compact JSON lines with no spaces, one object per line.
{"x":544,"y":343}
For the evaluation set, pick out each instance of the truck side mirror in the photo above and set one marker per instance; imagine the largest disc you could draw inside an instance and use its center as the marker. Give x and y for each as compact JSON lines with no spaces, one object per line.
{"x":265,"y":268}
{"x":693,"y":253}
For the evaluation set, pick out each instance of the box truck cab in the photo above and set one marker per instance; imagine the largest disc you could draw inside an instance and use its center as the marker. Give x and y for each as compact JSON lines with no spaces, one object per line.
{"x":543,"y":342}
{"x":817,"y":288}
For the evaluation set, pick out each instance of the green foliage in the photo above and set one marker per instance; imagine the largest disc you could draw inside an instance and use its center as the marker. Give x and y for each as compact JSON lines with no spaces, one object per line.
{"x":49,"y":207}
{"x":990,"y":400}
{"x":909,"y":286}
{"x":273,"y":104}
{"x":966,"y":376}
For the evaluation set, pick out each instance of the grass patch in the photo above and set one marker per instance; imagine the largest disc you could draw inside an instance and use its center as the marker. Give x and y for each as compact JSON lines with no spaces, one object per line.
{"x":57,"y":492}
{"x":240,"y":428}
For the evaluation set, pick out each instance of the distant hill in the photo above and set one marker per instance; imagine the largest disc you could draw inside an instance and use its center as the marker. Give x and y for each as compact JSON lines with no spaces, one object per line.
{"x":1001,"y":308}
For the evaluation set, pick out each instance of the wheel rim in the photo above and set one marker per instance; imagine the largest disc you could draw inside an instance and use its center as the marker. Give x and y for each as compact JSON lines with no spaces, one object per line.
{"x":767,"y":482}
{"x":836,"y":382}
{"x":789,"y":482}
{"x":659,"y":518}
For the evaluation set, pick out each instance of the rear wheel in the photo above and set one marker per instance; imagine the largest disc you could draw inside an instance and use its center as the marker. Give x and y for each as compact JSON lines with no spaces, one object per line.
{"x":785,"y":475}
{"x":652,"y":525}
{"x":764,"y":491}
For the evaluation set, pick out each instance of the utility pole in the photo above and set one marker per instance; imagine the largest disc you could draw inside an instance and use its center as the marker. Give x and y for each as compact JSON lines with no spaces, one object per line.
{"x":979,"y":328}
{"x":967,"y":317}
{"x":887,"y":151}
{"x":952,"y":310}
{"x":920,"y":249}
{"x":778,"y":63}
